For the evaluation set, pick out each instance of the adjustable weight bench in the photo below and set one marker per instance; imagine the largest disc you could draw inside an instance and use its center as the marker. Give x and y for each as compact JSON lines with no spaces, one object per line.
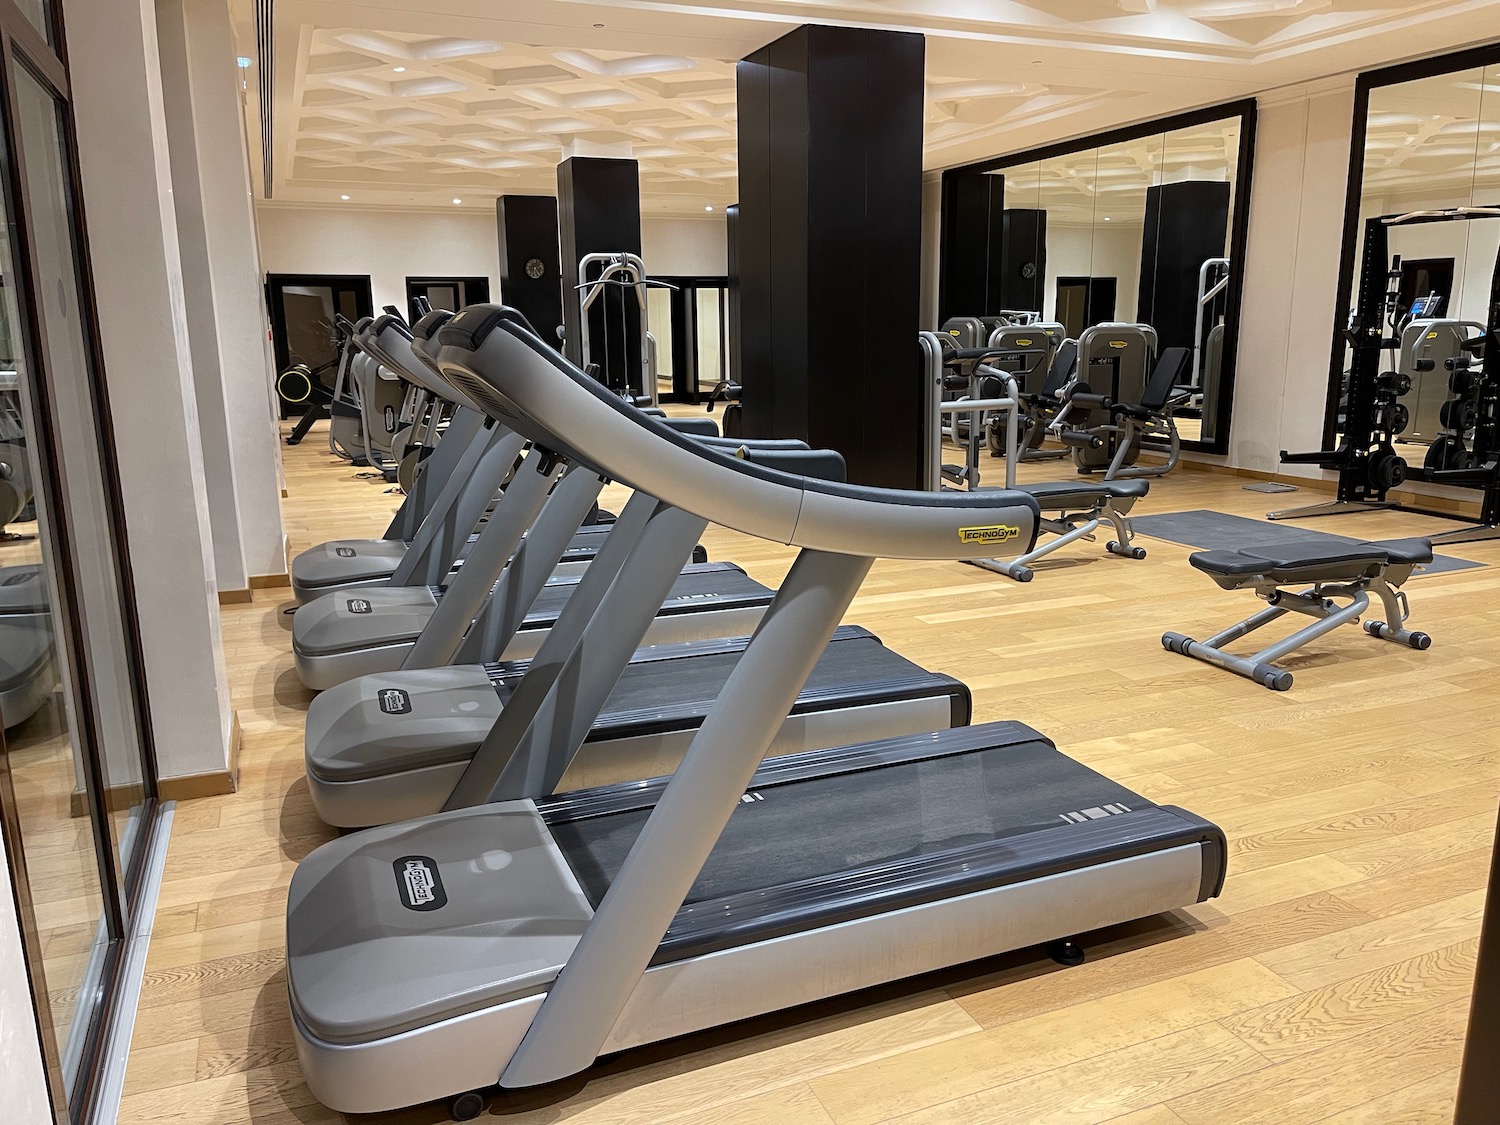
{"x":1074,"y":510}
{"x":1330,"y":573}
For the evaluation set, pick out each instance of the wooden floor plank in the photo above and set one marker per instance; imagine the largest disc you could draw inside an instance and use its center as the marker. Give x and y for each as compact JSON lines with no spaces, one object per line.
{"x":1329,"y":983}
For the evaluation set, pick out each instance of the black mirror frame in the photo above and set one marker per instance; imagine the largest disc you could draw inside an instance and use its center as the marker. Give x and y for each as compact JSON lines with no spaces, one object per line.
{"x":1468,"y":59}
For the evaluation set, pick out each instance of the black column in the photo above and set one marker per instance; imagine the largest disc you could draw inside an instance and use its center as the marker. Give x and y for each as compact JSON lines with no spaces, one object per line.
{"x":972,"y":243}
{"x":530,"y":266}
{"x":1021,"y":277}
{"x":1186,"y":224}
{"x":829,"y":240}
{"x":599,"y":211}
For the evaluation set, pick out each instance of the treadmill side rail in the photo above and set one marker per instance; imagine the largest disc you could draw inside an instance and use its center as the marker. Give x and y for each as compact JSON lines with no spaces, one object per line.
{"x":784,"y":972}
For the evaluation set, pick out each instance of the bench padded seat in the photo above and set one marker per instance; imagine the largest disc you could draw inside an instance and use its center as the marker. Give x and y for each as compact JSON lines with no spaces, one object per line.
{"x":1085,"y":493}
{"x":1310,"y":561}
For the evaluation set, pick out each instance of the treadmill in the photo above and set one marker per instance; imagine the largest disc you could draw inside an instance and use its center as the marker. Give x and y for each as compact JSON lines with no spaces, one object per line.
{"x":513,"y":943}
{"x":430,"y":534}
{"x":383,"y":748}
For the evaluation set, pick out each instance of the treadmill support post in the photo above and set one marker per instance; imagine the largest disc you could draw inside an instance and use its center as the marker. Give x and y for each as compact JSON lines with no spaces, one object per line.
{"x":501,"y":536}
{"x":540,"y":553}
{"x":511,"y":732}
{"x":593,"y":988}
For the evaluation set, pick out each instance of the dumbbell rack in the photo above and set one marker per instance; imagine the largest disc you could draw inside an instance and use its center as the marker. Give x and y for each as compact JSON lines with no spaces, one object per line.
{"x":1366,"y":459}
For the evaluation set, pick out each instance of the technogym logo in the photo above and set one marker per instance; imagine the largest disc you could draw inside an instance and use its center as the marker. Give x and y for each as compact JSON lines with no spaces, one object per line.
{"x":394,"y":701}
{"x":996,"y":533}
{"x":419,"y":884}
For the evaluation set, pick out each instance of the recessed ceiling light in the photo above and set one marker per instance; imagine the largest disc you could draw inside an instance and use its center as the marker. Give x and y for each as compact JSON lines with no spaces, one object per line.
{"x":345,"y":198}
{"x":1106,"y":218}
{"x":401,"y":70}
{"x":709,"y":207}
{"x":456,"y":202}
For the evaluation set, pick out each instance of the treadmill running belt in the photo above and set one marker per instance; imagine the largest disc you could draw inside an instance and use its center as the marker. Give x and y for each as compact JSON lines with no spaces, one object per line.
{"x":708,"y":589}
{"x":785,"y":833}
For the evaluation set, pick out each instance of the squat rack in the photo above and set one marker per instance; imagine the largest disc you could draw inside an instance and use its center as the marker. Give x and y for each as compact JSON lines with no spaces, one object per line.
{"x":1366,"y":459}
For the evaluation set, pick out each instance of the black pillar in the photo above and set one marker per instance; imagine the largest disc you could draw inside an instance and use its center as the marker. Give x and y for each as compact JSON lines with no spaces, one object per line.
{"x":530,"y":266}
{"x":972,"y":242}
{"x":830,"y":140}
{"x":1021,"y":278}
{"x":599,"y":211}
{"x":1186,"y":224}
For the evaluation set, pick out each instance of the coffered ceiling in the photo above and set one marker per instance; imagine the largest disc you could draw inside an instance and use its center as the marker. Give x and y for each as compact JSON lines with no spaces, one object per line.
{"x":426,"y":102}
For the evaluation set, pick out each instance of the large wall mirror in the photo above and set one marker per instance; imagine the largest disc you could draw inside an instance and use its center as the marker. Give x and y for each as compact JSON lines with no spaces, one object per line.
{"x":1140,"y":226}
{"x":1424,"y":170}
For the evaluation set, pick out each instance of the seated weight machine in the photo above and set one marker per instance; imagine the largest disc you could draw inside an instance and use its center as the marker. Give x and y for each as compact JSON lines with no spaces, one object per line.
{"x":1466,"y":452}
{"x":1123,"y":401}
{"x":1070,"y":510}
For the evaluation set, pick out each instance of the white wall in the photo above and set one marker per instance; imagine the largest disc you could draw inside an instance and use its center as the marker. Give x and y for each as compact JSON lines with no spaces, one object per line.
{"x":686,"y":247}
{"x":1077,"y":250}
{"x":23,"y":1085}
{"x":127,"y":192}
{"x":391,"y":246}
{"x":239,"y":314}
{"x":1291,"y":267}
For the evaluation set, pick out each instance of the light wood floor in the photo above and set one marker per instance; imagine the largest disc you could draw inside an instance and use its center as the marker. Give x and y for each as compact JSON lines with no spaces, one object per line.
{"x":1330,"y":983}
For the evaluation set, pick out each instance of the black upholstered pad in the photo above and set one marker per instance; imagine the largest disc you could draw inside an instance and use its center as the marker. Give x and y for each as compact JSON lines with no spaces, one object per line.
{"x":1085,"y":493}
{"x":1401,"y":551}
{"x":1310,"y":561}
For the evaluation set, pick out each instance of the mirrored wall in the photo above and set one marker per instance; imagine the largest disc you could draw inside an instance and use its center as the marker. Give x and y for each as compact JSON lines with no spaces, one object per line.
{"x":1426,"y":155}
{"x":1139,"y":226}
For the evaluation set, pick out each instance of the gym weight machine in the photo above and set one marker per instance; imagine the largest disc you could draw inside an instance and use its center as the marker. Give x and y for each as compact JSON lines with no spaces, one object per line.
{"x":1366,"y":459}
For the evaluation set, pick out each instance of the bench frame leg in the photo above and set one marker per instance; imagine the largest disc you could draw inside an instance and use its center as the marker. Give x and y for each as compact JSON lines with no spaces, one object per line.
{"x":1317,"y":602}
{"x":1068,"y":529}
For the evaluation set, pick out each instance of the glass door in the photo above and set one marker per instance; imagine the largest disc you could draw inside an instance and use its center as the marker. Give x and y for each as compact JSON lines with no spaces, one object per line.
{"x":77,"y":773}
{"x":451,"y":293}
{"x":304,"y":310}
{"x":690,"y":322}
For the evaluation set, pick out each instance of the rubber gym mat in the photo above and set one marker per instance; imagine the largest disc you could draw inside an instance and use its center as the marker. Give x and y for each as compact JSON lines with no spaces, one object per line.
{"x":1216,"y":531}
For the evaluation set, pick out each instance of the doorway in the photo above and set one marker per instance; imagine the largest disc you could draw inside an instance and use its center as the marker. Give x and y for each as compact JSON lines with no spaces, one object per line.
{"x":451,"y":293}
{"x":1083,"y":302}
{"x":690,"y":324}
{"x":1424,"y":277}
{"x":304,"y":310}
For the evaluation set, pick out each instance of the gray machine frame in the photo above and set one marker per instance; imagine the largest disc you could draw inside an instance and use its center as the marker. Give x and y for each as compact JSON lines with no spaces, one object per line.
{"x":1359,"y":577}
{"x":589,"y":980}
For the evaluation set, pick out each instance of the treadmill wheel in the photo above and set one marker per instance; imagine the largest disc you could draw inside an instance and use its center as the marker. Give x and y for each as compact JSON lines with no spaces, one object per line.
{"x":466,"y":1107}
{"x":1066,"y":952}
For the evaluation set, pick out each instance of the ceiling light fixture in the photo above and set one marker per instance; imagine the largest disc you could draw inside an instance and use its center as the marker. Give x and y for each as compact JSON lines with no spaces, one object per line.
{"x":599,"y":25}
{"x":345,"y":198}
{"x":456,"y":202}
{"x":401,"y":70}
{"x":1106,"y":218}
{"x":710,"y":207}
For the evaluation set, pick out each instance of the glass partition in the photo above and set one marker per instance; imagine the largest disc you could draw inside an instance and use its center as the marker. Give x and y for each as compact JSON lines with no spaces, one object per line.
{"x":1139,"y":226}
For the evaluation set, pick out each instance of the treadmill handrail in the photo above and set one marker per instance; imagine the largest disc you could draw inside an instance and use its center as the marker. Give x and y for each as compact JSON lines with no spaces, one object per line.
{"x":388,"y":340}
{"x":492,"y":357}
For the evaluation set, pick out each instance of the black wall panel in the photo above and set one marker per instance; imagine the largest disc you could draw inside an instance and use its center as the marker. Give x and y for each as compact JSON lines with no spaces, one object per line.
{"x":1186,"y":224}
{"x":528,"y":238}
{"x":1020,"y":282}
{"x":829,"y":245}
{"x":599,"y":212}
